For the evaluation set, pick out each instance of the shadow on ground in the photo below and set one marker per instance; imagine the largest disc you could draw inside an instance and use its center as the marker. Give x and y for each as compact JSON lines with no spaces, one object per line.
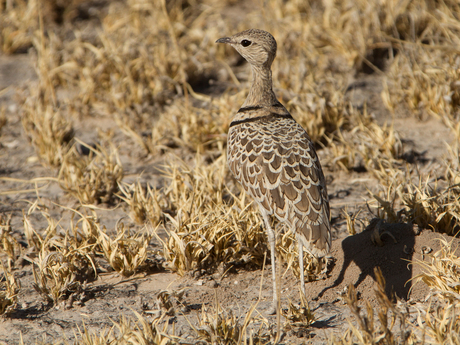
{"x":388,"y":246}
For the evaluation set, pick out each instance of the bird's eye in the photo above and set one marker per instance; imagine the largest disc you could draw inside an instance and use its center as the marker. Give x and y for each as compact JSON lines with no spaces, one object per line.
{"x":245,"y":43}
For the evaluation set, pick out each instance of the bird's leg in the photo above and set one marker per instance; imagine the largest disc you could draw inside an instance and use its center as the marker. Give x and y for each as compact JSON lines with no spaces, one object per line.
{"x":271,"y":241}
{"x":302,"y":273}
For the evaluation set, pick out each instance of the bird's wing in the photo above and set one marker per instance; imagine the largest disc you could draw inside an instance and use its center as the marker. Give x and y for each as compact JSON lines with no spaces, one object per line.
{"x":277,"y":165}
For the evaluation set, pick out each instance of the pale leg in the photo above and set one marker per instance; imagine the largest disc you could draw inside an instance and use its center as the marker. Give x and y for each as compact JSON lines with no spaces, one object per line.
{"x":302,"y":274}
{"x":271,"y":241}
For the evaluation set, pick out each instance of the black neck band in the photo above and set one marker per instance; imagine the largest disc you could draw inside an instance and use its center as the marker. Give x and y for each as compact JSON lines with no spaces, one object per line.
{"x":260,"y":118}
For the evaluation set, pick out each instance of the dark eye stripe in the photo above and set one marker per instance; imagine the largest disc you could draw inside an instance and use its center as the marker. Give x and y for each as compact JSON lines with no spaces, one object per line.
{"x":245,"y":43}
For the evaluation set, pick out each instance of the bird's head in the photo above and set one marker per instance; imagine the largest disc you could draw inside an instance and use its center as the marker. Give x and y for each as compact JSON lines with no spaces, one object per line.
{"x":258,"y":47}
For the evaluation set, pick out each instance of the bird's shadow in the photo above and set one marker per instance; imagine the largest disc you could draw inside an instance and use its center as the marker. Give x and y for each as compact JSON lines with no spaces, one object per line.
{"x":384,"y":245}
{"x":326,"y":323}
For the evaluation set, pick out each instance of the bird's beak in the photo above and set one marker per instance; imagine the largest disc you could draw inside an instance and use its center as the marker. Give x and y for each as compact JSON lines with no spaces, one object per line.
{"x":224,"y":40}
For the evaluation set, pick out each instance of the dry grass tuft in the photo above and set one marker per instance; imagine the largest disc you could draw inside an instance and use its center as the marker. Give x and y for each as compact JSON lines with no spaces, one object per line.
{"x":425,"y":201}
{"x":206,"y":229}
{"x":63,"y":260}
{"x":320,"y":115}
{"x":380,"y":331}
{"x":442,"y":273}
{"x":364,"y":145}
{"x":299,"y":318}
{"x":46,"y":127}
{"x":197,"y":129}
{"x":9,"y":289}
{"x":167,"y":302}
{"x":352,"y":220}
{"x":222,"y":327}
{"x":432,"y":208}
{"x":8,"y":244}
{"x":433,"y":325}
{"x":441,"y":324}
{"x":35,"y":240}
{"x":143,"y":331}
{"x":93,"y":178}
{"x":428,"y":81}
{"x":219,"y":328}
{"x":128,"y":331}
{"x":60,"y":273}
{"x":126,"y":253}
{"x":17,"y":20}
{"x":145,"y":204}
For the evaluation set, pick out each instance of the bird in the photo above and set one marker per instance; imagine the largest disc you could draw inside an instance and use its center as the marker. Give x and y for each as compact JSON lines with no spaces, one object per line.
{"x":274,"y":159}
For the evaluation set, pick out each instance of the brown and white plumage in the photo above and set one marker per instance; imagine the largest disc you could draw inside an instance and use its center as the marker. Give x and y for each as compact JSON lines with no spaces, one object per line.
{"x":273,"y":157}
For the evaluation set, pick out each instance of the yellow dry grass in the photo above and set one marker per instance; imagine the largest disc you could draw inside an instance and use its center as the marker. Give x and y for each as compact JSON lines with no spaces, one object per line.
{"x":442,"y":272}
{"x":93,"y":178}
{"x":364,"y":144}
{"x":63,"y":260}
{"x":210,"y":225}
{"x":9,"y":288}
{"x":145,"y":204}
{"x":423,"y":200}
{"x":48,"y":130}
{"x":131,"y":331}
{"x":9,"y":246}
{"x":299,"y":318}
{"x":127,"y":252}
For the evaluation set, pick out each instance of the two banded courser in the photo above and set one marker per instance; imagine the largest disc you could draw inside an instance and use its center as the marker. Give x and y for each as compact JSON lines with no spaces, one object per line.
{"x":274,"y":159}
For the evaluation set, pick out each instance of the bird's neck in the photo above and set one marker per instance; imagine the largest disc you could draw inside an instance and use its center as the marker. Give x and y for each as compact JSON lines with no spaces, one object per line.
{"x":261,"y":92}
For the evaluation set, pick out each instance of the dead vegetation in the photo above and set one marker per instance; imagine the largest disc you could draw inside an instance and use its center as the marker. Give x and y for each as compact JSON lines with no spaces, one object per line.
{"x":389,"y":326}
{"x":48,"y":130}
{"x":127,"y":252}
{"x":442,"y":273}
{"x":94,"y":178}
{"x":129,"y":331}
{"x":391,"y":323}
{"x":9,"y":288}
{"x":219,"y":326}
{"x":429,"y":202}
{"x":209,"y":226}
{"x":151,"y":69}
